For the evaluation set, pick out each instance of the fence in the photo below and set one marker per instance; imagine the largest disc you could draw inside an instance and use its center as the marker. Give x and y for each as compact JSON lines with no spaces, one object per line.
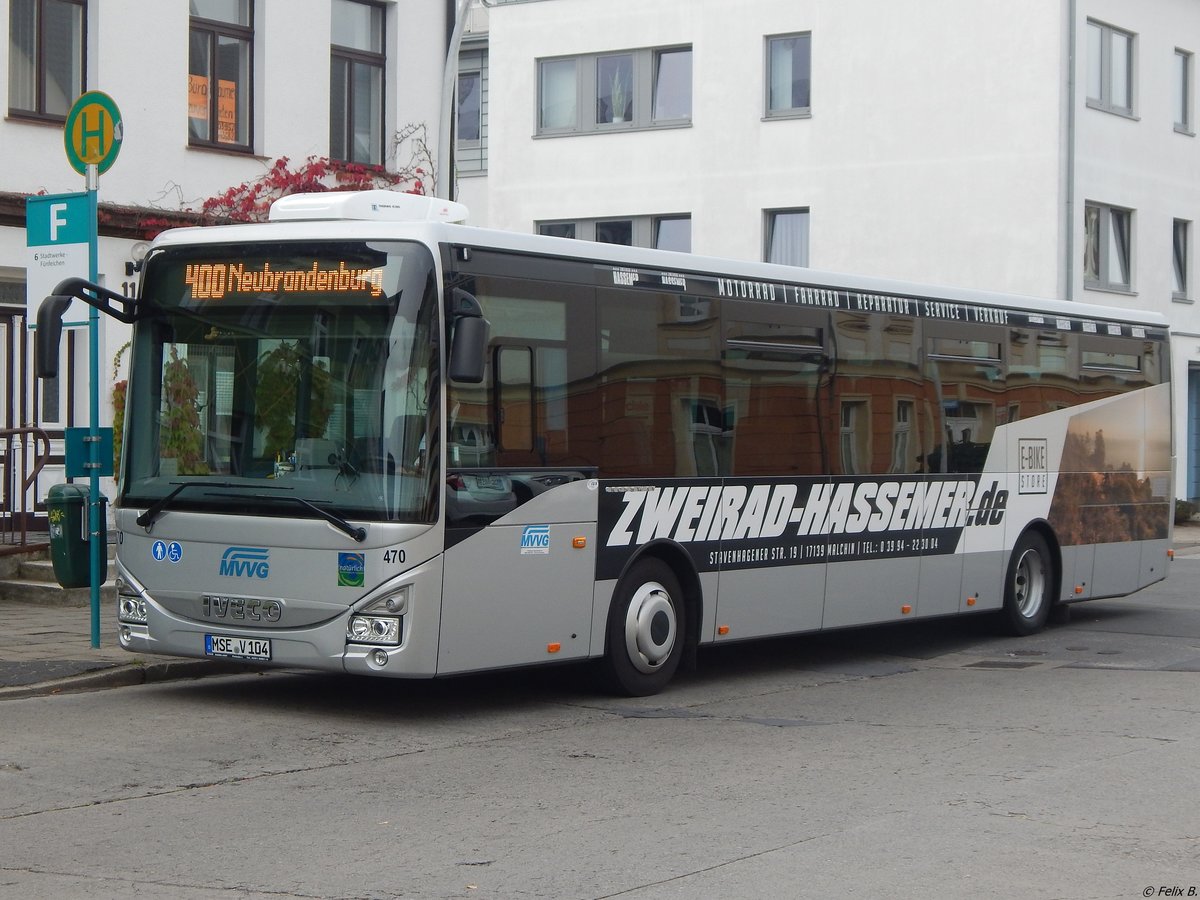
{"x":25,"y":452}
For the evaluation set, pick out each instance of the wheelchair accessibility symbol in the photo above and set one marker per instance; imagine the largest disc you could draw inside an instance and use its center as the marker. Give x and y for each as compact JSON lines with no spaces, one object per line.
{"x":162,"y":550}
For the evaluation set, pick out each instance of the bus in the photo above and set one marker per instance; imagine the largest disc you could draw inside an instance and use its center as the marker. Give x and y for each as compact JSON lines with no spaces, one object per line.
{"x":365,"y":437}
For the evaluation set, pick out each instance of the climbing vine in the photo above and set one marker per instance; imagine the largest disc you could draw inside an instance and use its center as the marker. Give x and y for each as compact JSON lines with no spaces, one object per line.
{"x":251,"y":200}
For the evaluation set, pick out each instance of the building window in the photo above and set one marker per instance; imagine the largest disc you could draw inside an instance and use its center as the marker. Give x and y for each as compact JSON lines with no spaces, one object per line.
{"x":1110,"y":69}
{"x":1180,"y":254}
{"x":600,"y":92}
{"x":853,"y":436}
{"x":662,"y":232}
{"x":557,"y":229}
{"x":219,"y":65}
{"x":46,"y":62}
{"x":902,"y":436}
{"x":1182,"y":87}
{"x":673,"y":85}
{"x":1108,"y":239}
{"x":673,"y":233}
{"x":356,"y":83}
{"x":558,"y":95}
{"x":615,"y":231}
{"x":472,"y":129}
{"x":787,"y":237}
{"x":789,"y":75}
{"x":614,"y":89}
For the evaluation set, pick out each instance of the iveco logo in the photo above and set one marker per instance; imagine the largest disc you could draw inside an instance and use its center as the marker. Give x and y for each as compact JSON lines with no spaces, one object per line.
{"x":250,"y":562}
{"x":246,"y":608}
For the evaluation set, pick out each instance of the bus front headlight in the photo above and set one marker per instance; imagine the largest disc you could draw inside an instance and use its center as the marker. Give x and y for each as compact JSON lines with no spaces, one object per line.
{"x":131,"y":609}
{"x":379,"y":622}
{"x":373,"y":630}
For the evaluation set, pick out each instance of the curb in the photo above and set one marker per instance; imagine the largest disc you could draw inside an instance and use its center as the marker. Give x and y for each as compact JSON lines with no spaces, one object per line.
{"x":124,"y":676}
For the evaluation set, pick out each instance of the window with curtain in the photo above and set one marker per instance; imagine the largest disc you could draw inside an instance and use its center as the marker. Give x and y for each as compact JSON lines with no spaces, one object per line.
{"x":221,"y":43}
{"x":787,"y":237}
{"x":558,"y":95}
{"x":1107,"y":245}
{"x":789,"y":75}
{"x":46,"y":57}
{"x":357,"y":65}
{"x":644,"y":88}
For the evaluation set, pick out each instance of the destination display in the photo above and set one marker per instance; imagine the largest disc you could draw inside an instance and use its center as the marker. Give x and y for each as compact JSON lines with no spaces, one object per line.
{"x":218,"y":280}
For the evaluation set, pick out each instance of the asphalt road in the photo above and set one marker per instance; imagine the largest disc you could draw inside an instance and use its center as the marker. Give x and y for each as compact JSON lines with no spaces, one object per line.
{"x":923,"y":760}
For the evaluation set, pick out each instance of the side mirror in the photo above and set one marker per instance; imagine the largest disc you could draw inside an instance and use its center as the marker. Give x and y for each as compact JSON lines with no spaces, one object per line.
{"x":468,"y":346}
{"x":49,"y":334}
{"x":468,"y":351}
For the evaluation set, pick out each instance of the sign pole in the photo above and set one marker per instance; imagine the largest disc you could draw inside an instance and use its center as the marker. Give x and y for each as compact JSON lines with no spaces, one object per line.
{"x":92,"y":137}
{"x":95,"y":525}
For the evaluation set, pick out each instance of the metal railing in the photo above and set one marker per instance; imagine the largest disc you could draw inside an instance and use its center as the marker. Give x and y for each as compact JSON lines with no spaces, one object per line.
{"x":24,"y":452}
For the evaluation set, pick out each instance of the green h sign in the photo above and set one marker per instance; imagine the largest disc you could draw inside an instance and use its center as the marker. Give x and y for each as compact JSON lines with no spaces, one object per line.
{"x":92,"y":133}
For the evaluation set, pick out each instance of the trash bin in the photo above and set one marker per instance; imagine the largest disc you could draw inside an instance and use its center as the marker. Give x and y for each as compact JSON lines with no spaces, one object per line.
{"x":67,"y":510}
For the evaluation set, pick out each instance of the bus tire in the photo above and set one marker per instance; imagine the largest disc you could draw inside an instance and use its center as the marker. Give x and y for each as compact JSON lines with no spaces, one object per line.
{"x":645,"y":630}
{"x":1028,"y":586}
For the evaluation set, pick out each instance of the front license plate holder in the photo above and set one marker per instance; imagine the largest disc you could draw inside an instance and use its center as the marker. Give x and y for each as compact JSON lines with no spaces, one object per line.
{"x":237,"y":647}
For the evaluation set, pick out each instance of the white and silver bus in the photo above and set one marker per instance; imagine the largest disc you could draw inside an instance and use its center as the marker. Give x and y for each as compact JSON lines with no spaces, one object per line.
{"x":360,"y":443}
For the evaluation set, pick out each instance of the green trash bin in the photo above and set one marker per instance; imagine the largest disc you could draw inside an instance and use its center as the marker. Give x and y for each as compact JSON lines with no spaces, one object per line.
{"x":67,"y":510}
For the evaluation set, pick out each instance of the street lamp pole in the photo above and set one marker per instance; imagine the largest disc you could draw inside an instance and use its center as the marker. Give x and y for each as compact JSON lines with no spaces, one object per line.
{"x":443,"y":177}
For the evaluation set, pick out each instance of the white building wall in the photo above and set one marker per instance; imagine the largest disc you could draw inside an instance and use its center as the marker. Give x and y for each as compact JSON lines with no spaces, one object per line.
{"x":918,"y":161}
{"x":138,"y":54}
{"x":1143,"y":164}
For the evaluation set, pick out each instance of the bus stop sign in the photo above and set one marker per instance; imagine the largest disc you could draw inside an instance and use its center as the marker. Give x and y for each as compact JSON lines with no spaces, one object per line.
{"x":92,"y":133}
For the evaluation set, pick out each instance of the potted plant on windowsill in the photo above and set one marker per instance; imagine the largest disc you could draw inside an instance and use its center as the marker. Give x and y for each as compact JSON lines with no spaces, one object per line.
{"x":618,"y":98}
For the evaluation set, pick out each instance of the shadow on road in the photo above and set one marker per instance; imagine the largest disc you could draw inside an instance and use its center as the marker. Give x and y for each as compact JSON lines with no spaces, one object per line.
{"x":877,"y":650}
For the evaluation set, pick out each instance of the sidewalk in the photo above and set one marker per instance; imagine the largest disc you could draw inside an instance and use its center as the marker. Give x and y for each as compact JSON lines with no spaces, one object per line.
{"x":48,"y":649}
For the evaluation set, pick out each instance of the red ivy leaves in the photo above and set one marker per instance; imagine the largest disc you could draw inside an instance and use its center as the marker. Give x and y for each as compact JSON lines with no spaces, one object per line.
{"x":251,"y":200}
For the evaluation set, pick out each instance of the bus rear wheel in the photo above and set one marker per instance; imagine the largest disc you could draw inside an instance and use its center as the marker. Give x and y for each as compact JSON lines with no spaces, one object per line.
{"x":645,"y":630}
{"x":1028,"y":585}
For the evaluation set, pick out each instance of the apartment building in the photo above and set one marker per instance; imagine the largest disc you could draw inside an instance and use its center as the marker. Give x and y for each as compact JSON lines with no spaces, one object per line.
{"x":1032,"y":147}
{"x":212,"y":93}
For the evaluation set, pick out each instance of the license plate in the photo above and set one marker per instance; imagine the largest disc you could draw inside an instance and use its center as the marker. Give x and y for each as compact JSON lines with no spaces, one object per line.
{"x":237,"y":647}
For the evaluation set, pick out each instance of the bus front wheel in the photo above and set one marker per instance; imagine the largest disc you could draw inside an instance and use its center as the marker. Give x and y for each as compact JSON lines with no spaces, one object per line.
{"x":1028,"y":585}
{"x":645,"y":630}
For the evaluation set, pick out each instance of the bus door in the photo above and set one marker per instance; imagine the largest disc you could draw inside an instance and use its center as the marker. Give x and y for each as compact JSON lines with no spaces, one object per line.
{"x":965,"y":401}
{"x":520,"y":516}
{"x":775,"y":364}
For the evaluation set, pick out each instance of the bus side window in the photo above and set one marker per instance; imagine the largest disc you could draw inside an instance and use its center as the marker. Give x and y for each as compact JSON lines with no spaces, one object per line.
{"x":514,"y":413}
{"x":965,"y":378}
{"x":877,"y":385}
{"x":776,"y":377}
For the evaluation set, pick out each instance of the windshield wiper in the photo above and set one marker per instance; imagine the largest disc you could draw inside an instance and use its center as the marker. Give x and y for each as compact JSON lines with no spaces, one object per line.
{"x":359,"y":534}
{"x":147,"y":518}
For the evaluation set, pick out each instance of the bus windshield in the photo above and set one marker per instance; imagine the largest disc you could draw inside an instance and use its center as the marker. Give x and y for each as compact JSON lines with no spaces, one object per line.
{"x":289,"y":379}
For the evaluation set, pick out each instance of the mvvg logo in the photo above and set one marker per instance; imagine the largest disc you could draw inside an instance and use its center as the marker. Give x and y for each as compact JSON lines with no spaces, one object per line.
{"x":249,"y":562}
{"x":535,"y":539}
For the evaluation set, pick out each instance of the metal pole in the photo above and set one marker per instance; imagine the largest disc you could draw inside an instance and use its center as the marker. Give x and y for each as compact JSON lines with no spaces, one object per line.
{"x":444,"y":178}
{"x":94,"y":524}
